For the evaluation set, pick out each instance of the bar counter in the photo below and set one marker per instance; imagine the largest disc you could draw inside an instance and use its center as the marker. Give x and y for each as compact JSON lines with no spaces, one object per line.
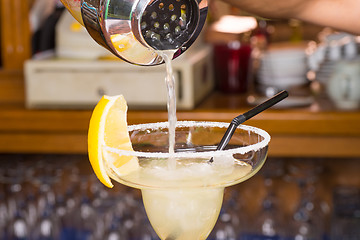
{"x":318,"y":130}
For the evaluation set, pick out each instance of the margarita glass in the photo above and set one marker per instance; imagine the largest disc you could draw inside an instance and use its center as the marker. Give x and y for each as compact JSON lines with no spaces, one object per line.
{"x":183,"y":191}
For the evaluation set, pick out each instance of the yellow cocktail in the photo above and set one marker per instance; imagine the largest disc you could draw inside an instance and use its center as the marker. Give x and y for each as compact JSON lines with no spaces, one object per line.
{"x":183,"y":200}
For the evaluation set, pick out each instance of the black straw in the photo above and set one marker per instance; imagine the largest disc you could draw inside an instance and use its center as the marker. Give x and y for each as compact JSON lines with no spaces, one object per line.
{"x":246,"y":116}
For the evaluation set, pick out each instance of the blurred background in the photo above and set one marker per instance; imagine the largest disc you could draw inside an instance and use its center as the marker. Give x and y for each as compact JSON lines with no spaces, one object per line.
{"x":52,"y":74}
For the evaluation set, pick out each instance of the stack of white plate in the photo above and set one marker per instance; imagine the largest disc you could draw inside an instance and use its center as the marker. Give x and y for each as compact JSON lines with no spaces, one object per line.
{"x":283,"y":67}
{"x":325,"y":71}
{"x":334,"y":47}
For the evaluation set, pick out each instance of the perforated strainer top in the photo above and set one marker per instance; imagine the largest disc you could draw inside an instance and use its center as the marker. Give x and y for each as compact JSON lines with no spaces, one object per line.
{"x":168,"y":24}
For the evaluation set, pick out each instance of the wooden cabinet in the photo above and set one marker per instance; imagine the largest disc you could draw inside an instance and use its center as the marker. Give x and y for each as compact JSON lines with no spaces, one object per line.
{"x":15,"y":33}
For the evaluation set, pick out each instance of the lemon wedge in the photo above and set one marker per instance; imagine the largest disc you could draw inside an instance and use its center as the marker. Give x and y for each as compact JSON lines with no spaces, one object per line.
{"x":108,"y":127}
{"x":121,"y":42}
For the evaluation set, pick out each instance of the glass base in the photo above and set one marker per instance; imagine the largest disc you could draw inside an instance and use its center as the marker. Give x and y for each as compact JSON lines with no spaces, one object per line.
{"x":183,"y":213}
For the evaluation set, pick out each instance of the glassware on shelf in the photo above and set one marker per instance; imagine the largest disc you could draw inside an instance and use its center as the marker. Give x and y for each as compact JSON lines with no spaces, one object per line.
{"x":3,"y":215}
{"x":345,"y":223}
{"x":14,"y":174}
{"x":116,"y":231}
{"x":308,"y":222}
{"x":47,"y":227}
{"x":232,"y":219}
{"x":18,"y":228}
{"x":270,"y":221}
{"x":307,"y":219}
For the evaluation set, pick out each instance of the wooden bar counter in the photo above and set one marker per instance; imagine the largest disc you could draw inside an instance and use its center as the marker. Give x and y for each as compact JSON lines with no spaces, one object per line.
{"x":315,"y":131}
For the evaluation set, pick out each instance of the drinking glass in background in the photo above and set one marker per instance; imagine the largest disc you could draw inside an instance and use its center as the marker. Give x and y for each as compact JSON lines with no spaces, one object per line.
{"x":233,"y":220}
{"x":309,"y":218}
{"x":15,"y":213}
{"x":270,"y":222}
{"x":231,"y":38}
{"x":345,"y":223}
{"x":231,"y":62}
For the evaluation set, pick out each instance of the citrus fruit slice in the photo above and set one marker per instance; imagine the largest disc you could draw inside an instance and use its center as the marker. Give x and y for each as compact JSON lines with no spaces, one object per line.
{"x":108,"y":127}
{"x":121,"y":42}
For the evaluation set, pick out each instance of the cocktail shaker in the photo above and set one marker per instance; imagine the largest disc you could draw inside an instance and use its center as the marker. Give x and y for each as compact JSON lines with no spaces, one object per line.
{"x":134,"y":29}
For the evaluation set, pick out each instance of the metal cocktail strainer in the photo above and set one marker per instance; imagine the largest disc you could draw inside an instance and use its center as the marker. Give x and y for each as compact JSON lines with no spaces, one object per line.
{"x":132,"y":29}
{"x":169,"y":24}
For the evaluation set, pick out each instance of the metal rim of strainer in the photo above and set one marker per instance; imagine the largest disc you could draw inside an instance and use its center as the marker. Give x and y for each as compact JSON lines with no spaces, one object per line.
{"x":95,"y":15}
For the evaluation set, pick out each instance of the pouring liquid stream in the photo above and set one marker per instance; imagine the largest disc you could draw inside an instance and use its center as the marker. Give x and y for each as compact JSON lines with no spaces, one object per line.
{"x":167,"y":55}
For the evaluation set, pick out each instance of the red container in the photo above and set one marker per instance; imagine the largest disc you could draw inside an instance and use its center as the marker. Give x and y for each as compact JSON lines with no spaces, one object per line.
{"x":231,"y":63}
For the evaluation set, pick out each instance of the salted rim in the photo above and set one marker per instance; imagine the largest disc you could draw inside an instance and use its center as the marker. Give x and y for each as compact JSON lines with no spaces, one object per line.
{"x":207,"y":154}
